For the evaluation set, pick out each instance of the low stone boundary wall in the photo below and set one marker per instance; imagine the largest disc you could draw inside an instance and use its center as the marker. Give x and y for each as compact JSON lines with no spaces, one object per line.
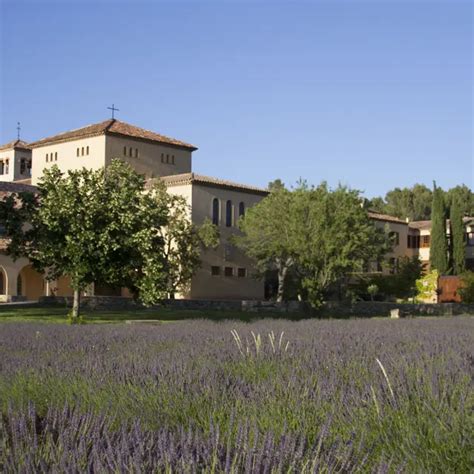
{"x":122,"y":303}
{"x":381,"y":308}
{"x":330,"y":309}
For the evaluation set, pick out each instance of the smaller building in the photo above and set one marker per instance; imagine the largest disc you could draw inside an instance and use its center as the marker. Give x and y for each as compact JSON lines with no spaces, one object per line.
{"x":420,"y":242}
{"x":15,"y":161}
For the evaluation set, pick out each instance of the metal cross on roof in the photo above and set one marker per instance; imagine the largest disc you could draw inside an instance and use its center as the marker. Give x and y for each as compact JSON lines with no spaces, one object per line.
{"x":113,"y":109}
{"x":18,"y":129}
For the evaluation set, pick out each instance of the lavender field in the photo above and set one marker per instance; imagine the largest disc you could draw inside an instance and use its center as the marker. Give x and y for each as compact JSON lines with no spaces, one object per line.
{"x":270,"y":396}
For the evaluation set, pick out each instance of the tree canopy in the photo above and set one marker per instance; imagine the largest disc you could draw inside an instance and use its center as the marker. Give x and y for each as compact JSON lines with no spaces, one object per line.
{"x":416,"y":202}
{"x":318,"y":233}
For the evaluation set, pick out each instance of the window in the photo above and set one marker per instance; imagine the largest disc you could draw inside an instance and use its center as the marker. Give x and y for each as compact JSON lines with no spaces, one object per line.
{"x":167,"y":158}
{"x":162,"y":157}
{"x":241,"y":209}
{"x":56,"y":156}
{"x":241,"y":272}
{"x":82,"y":151}
{"x":228,"y":271}
{"x":22,"y":166}
{"x":425,"y":241}
{"x":125,"y":151}
{"x":215,"y":271}
{"x":47,"y":157}
{"x":77,"y":152}
{"x":2,"y":167}
{"x":215,"y":211}
{"x":130,"y":151}
{"x":136,"y":152}
{"x":172,"y":159}
{"x":228,"y":213}
{"x":7,"y":163}
{"x":19,"y":286}
{"x":87,"y":150}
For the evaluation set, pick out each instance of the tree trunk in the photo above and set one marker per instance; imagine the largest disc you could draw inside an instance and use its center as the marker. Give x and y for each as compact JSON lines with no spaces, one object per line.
{"x":76,"y":304}
{"x":282,"y":271}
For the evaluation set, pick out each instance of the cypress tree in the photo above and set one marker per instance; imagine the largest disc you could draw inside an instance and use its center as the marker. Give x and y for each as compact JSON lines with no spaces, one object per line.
{"x":439,"y":245}
{"x":457,"y":238}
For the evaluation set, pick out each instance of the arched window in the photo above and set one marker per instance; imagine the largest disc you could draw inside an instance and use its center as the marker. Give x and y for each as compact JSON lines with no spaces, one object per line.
{"x":19,"y":286}
{"x":215,"y":211}
{"x":228,"y":213}
{"x":241,"y":209}
{"x":3,"y":282}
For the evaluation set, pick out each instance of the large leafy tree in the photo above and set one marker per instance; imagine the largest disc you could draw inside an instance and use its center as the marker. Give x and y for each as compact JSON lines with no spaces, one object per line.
{"x":458,"y":243}
{"x":318,"y":234}
{"x":333,"y":237}
{"x":93,"y":226}
{"x":439,"y":245}
{"x":267,"y":234}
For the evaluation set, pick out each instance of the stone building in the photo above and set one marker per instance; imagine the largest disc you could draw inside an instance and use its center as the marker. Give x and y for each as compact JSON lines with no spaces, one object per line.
{"x":226,"y":273}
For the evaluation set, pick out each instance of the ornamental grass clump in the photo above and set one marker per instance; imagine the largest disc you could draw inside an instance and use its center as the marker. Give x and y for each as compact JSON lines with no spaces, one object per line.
{"x":254,"y":348}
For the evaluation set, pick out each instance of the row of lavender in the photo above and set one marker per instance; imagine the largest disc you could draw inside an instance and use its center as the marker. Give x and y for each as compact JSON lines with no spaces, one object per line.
{"x":271,"y":396}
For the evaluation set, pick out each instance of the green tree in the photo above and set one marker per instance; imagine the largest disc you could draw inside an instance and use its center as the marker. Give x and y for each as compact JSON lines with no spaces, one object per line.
{"x":333,"y":236}
{"x":94,"y":226}
{"x":458,"y":243}
{"x":465,"y":198}
{"x":267,"y":236}
{"x":438,"y":247}
{"x":414,"y":203}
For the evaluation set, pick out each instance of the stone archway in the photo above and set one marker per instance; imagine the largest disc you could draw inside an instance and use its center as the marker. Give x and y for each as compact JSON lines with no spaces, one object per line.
{"x":30,"y":283}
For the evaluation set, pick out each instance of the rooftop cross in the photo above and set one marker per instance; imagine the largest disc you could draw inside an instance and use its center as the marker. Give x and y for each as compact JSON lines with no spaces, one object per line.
{"x":113,"y":109}
{"x":18,"y":129}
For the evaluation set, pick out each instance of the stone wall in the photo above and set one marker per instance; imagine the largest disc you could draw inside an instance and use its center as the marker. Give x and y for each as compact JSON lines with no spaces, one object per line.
{"x":335,"y":310}
{"x":376,"y":308}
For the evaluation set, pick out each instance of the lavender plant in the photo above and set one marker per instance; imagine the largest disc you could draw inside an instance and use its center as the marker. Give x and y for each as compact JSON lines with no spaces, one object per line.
{"x":347,"y":396}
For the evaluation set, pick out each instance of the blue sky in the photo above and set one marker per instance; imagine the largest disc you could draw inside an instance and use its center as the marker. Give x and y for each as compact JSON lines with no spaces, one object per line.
{"x":372,"y":94}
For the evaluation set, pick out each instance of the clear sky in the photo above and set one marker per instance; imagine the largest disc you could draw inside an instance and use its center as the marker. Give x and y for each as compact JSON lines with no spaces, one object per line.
{"x":373,"y":94}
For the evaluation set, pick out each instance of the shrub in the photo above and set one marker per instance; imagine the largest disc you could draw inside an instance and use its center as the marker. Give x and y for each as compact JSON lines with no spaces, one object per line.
{"x":467,"y":289}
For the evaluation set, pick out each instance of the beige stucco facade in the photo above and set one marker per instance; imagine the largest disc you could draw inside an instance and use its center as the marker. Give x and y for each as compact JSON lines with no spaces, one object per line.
{"x":70,"y":155}
{"x":149,"y":159}
{"x":236,"y":278}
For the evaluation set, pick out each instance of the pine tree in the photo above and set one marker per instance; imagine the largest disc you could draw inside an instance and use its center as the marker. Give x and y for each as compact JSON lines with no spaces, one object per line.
{"x":439,"y":245}
{"x":457,"y":238}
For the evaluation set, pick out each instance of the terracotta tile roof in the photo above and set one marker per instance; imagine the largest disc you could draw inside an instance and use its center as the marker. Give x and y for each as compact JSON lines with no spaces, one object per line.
{"x":15,"y":187}
{"x":386,"y":218}
{"x":112,"y":127}
{"x":193,"y":178}
{"x":15,"y":145}
{"x":426,"y":225}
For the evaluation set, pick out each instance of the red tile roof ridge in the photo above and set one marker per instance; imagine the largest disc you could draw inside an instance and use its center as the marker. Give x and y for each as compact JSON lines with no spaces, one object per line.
{"x":386,"y":217}
{"x":111,"y":127}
